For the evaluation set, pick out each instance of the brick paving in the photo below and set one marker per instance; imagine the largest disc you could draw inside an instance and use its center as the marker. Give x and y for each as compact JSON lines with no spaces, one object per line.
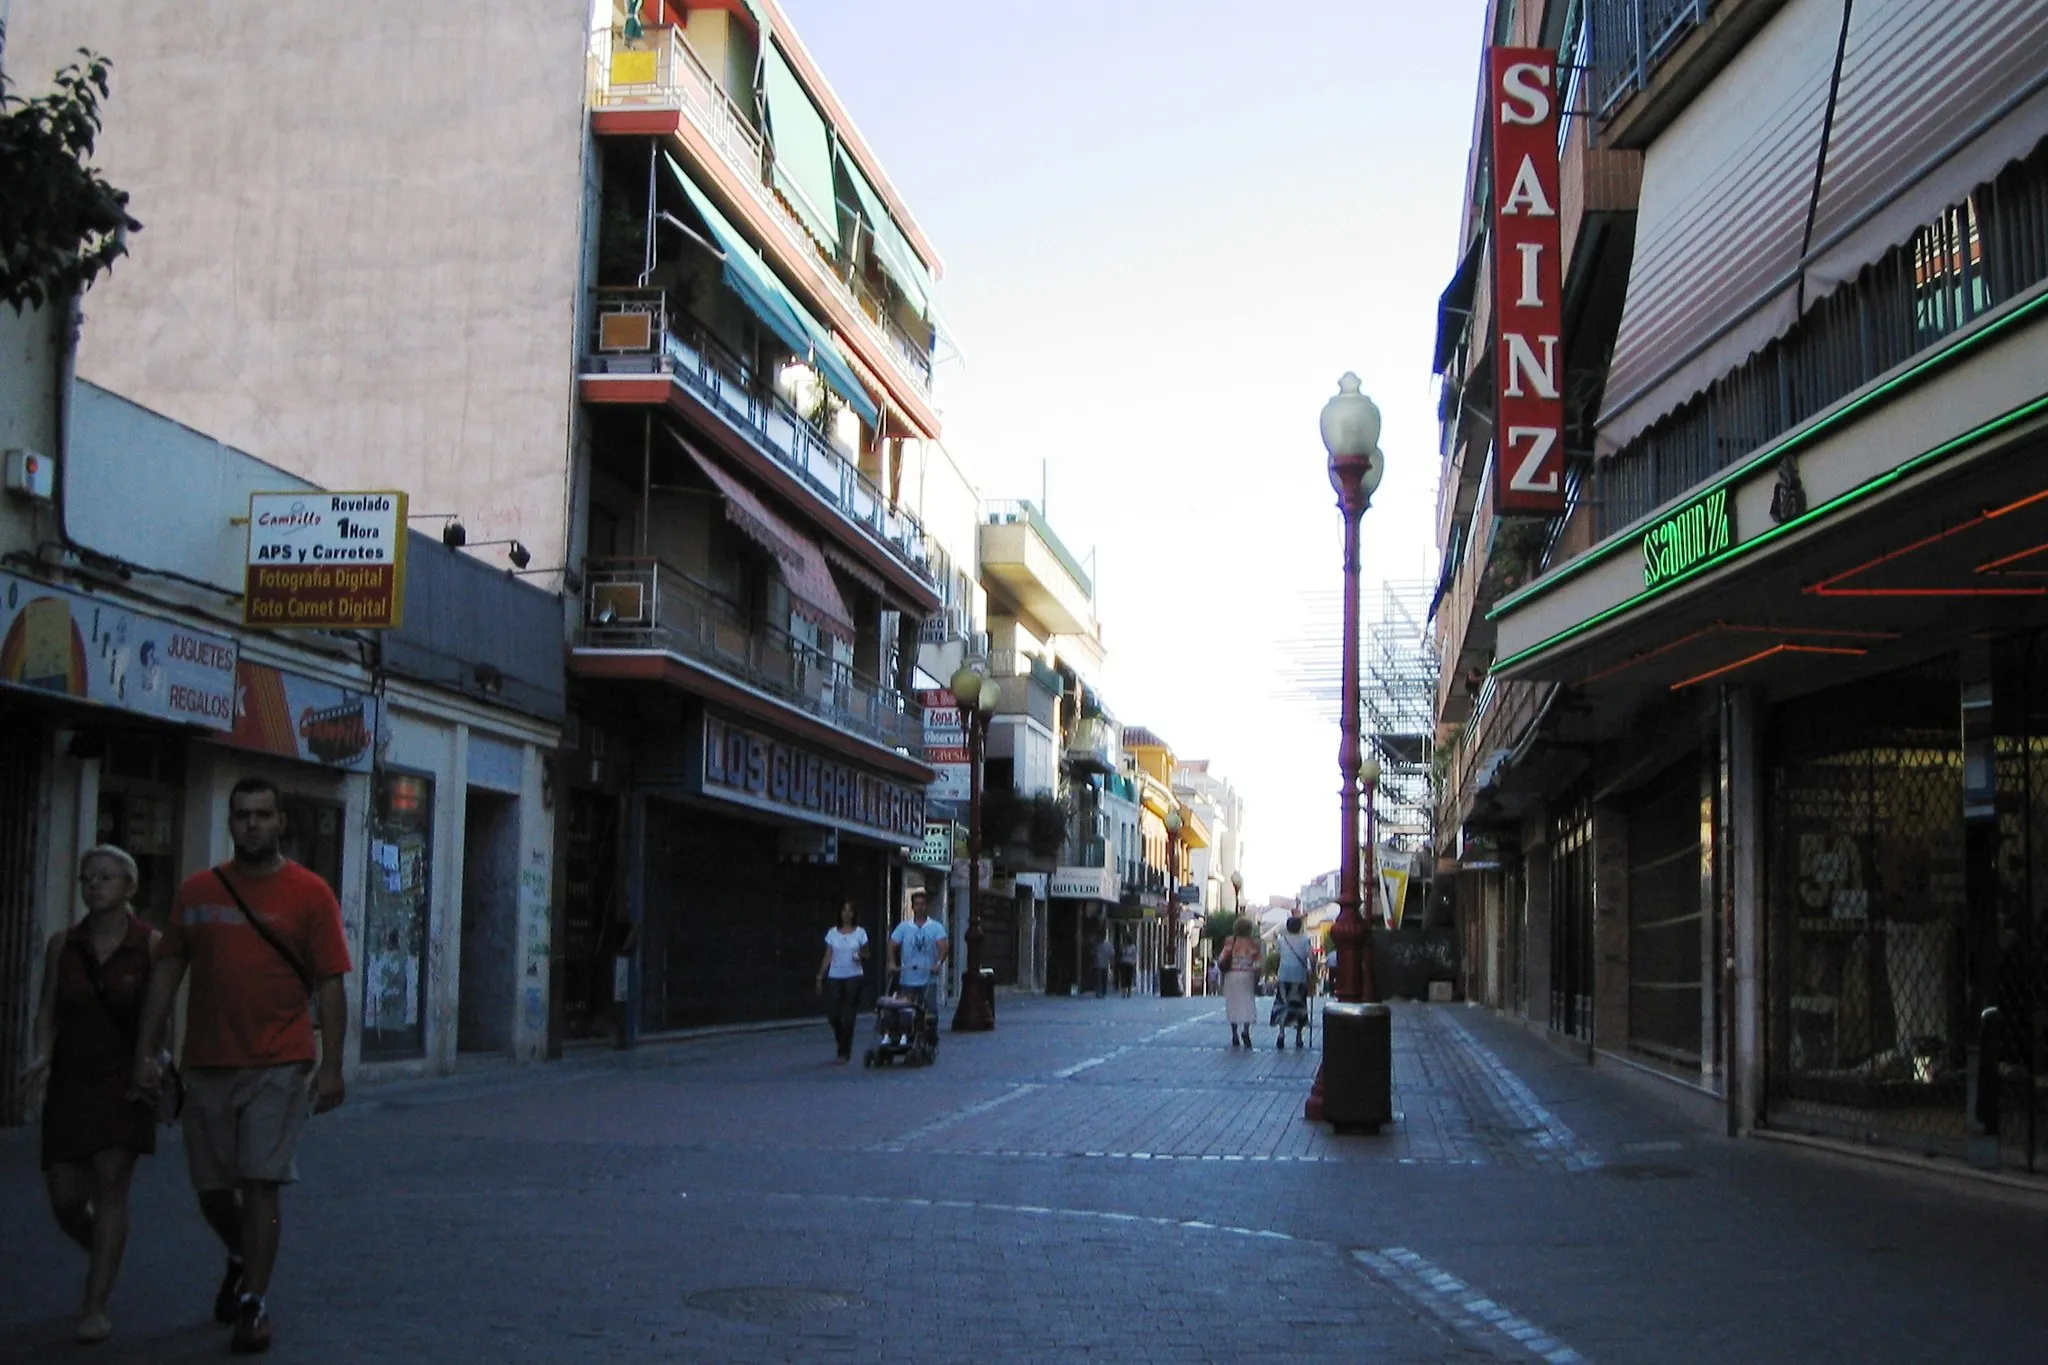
{"x":1096,"y":1179}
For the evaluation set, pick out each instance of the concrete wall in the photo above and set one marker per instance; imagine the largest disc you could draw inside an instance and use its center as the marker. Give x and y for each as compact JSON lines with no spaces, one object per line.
{"x":362,"y":225}
{"x":28,"y":413}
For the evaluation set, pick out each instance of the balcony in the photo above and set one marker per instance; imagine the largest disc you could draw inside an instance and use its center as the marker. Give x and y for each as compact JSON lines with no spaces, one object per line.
{"x":1092,"y":745}
{"x":1029,"y":687}
{"x":643,"y":605}
{"x":1021,"y":553}
{"x":638,"y":332}
{"x":1651,"y":57}
{"x":667,"y":74}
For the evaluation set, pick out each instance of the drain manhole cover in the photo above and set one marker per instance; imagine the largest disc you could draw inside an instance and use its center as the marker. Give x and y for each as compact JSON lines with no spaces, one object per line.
{"x":770,"y":1302}
{"x":1645,"y":1171}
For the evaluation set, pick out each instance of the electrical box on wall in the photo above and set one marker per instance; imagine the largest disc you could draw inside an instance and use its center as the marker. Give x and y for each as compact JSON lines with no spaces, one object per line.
{"x":31,"y":474}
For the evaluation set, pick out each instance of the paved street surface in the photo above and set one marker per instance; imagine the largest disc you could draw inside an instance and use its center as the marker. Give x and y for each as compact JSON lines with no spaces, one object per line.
{"x":1095,"y":1180}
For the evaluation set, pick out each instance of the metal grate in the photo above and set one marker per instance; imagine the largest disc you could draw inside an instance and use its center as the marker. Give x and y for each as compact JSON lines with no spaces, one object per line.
{"x":1571,"y":922}
{"x":1868,"y":1033}
{"x":1665,"y":949}
{"x":2018,"y":941}
{"x":20,"y":776}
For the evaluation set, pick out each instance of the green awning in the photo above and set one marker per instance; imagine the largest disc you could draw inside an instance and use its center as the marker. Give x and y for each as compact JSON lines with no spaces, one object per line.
{"x":899,"y":262}
{"x":802,"y":165}
{"x":748,"y":276}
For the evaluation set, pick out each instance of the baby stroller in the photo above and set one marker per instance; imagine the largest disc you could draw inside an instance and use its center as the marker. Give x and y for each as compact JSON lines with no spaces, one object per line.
{"x":904,"y":1027}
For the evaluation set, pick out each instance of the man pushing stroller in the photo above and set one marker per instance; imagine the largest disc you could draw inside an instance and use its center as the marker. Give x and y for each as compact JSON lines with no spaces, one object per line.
{"x":917,"y":952}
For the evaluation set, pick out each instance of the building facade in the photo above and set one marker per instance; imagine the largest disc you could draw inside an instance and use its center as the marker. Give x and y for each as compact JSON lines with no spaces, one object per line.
{"x":1740,"y":745}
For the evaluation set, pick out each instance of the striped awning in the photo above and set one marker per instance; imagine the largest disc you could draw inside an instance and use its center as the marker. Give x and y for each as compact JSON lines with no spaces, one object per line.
{"x":813,"y":594}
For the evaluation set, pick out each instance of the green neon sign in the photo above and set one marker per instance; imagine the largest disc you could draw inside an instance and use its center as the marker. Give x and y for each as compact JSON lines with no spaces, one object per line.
{"x":1688,"y":537}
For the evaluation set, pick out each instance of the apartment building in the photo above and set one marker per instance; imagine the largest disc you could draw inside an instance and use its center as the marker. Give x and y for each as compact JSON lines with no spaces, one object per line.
{"x":1740,"y":737}
{"x":636,"y":304}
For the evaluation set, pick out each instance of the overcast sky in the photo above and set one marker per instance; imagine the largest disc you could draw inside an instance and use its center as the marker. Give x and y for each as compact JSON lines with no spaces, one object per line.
{"x":1167,"y":228}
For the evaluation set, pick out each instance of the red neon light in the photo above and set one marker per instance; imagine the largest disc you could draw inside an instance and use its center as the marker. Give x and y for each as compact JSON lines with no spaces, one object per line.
{"x":1763,"y":654}
{"x":1998,"y":565}
{"x":1724,"y":626}
{"x":1826,"y":587}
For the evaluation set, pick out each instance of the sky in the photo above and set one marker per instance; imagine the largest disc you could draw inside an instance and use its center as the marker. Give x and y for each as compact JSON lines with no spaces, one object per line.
{"x":1167,"y":228}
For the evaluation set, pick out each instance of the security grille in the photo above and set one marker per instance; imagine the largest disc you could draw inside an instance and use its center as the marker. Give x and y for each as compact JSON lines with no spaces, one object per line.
{"x":1664,"y":916}
{"x":2018,"y":1043}
{"x":1571,"y":922}
{"x":1868,"y":1036}
{"x":20,"y":775}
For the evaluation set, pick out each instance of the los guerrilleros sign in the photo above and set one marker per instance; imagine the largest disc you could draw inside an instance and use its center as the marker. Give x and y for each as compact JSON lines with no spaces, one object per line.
{"x":1688,"y":537}
{"x":752,"y":769}
{"x":325,"y":561}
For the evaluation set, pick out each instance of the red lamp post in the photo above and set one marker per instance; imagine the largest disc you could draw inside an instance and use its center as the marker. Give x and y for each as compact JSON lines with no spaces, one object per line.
{"x":1351,"y":433}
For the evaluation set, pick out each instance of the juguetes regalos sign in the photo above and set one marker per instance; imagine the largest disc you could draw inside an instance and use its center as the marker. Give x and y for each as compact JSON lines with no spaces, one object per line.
{"x":325,"y":561}
{"x":1528,"y":441}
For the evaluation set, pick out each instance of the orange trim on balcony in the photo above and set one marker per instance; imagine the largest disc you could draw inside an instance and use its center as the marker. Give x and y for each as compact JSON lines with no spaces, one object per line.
{"x":675,"y":671}
{"x":635,"y":122}
{"x":661,"y":391}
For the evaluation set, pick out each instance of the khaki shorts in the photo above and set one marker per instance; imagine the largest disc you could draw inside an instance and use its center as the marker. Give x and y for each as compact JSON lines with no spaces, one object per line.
{"x":243,"y":1123}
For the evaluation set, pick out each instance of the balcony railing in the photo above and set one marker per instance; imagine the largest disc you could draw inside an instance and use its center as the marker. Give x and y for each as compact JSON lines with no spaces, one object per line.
{"x":1004,"y":511}
{"x":644,"y":604}
{"x":1630,"y":37}
{"x":1092,"y":742}
{"x":724,"y":382}
{"x":675,"y":78}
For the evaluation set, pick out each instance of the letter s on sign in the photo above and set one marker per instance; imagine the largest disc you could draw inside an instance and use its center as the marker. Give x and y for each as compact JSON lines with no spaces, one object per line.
{"x":1525,"y":81}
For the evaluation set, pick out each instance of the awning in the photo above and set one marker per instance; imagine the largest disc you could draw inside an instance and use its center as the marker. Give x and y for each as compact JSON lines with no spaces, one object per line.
{"x":1454,"y":308}
{"x":1934,"y":101}
{"x":1720,"y":221}
{"x":802,"y":145}
{"x":813,"y":594}
{"x":748,"y":276}
{"x":857,"y":571}
{"x":899,"y":262}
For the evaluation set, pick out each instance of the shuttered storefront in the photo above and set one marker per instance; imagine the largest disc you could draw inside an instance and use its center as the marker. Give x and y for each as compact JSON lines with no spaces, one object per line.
{"x":1665,"y":916}
{"x":21,"y":771}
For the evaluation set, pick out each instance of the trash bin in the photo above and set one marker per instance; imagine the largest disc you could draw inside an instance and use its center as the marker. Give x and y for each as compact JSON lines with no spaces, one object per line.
{"x":1358,"y":1067}
{"x":1169,"y":979}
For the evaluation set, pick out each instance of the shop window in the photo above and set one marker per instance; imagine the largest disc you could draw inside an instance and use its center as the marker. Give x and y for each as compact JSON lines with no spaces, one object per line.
{"x":396,"y":916}
{"x":141,"y":798}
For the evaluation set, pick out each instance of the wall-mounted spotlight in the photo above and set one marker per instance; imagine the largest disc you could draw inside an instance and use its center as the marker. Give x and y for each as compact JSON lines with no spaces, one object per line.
{"x":517,"y":553}
{"x":453,"y":534}
{"x":490,"y":678}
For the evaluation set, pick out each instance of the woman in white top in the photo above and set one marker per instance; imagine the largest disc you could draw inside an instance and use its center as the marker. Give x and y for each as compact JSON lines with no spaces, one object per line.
{"x":841,"y":975}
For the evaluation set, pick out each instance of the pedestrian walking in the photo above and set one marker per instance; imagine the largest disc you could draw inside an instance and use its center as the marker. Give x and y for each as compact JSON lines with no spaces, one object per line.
{"x":1127,"y":966}
{"x":841,"y":976}
{"x":1239,"y":959}
{"x":260,"y":935}
{"x":917,"y":951}
{"x":1105,"y":958}
{"x":1290,"y":991}
{"x":95,"y":1122}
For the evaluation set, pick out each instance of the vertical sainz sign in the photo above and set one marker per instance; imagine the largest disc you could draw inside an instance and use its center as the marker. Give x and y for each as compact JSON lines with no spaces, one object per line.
{"x":1528,"y":456}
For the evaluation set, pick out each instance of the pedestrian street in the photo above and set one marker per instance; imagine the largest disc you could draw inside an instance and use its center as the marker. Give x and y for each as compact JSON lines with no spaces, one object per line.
{"x":1093,"y":1179}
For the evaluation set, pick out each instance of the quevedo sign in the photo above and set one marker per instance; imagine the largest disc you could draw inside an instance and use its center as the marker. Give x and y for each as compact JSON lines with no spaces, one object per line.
{"x":1528,"y":450}
{"x":325,"y":561}
{"x":91,"y":649}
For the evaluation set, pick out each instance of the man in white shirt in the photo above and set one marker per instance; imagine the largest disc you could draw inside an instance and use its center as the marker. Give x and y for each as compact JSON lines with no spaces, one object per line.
{"x":917,"y":951}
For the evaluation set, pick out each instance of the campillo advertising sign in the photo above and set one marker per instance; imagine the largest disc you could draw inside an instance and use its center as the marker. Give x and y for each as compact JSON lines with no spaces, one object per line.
{"x":325,"y":561}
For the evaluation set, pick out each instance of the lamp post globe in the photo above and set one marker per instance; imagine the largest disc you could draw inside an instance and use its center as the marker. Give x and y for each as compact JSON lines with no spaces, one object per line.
{"x":1351,"y":435}
{"x":966,"y":685}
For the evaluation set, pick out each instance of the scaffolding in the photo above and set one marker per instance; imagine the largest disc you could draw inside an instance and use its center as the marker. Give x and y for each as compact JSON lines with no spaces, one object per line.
{"x":1398,"y":666}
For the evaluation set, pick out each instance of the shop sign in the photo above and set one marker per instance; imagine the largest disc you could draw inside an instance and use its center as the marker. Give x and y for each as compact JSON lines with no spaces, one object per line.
{"x":1688,"y":537}
{"x":937,"y":849}
{"x":1528,"y":457}
{"x":1189,"y":894}
{"x":750,"y":769}
{"x":55,"y":640}
{"x":295,"y":716}
{"x":1084,"y":884}
{"x":945,"y":746}
{"x":1396,"y":869}
{"x":325,"y":561}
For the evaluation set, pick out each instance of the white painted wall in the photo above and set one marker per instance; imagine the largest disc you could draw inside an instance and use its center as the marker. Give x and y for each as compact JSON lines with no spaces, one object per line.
{"x":362,"y":234}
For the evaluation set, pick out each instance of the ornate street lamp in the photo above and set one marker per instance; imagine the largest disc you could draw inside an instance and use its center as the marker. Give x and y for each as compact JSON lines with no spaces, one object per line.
{"x":978,"y":695}
{"x":1351,"y":434}
{"x":1370,"y":909}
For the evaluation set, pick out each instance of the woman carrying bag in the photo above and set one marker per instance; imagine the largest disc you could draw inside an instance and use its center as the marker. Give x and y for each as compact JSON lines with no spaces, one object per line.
{"x":1239,"y":959}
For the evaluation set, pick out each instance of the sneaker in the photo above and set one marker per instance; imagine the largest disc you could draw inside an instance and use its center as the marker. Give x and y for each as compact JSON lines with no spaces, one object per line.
{"x":92,"y":1329}
{"x":252,"y":1327}
{"x":228,"y":1297}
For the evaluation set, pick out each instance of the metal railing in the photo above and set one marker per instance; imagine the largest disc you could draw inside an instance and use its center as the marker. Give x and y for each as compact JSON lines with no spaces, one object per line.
{"x":1092,"y":740}
{"x":1009,"y":510}
{"x":1630,"y":38}
{"x":635,"y":604}
{"x":728,"y":385}
{"x":681,"y":82}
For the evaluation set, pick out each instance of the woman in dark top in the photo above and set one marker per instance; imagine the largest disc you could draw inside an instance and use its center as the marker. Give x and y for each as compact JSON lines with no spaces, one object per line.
{"x":95,"y":976}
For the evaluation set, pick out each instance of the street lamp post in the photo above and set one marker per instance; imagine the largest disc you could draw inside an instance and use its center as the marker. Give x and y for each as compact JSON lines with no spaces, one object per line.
{"x":1372,"y":911}
{"x":1351,"y":434}
{"x":977,"y":695}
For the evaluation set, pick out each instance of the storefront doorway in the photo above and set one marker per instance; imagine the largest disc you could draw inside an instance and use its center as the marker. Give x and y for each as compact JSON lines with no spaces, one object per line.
{"x":1571,"y":922}
{"x":490,"y":922}
{"x":395,"y":915}
{"x":142,"y":784}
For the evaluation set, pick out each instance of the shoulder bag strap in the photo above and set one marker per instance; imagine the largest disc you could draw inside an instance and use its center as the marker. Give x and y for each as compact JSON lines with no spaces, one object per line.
{"x":91,"y":967}
{"x":291,"y":959}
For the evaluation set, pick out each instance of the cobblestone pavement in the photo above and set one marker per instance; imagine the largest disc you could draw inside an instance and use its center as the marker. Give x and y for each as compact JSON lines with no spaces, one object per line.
{"x":1096,"y":1179}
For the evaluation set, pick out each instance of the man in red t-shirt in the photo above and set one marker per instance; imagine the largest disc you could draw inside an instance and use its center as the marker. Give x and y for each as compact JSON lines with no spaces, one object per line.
{"x":261,"y":935}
